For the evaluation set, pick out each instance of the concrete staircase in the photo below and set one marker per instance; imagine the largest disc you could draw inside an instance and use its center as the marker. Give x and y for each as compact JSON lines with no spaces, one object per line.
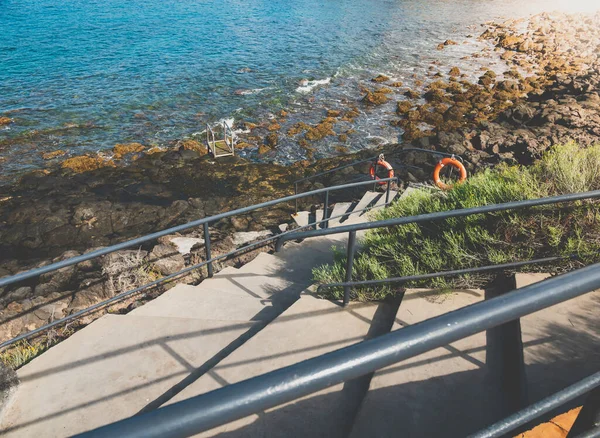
{"x":121,"y":365}
{"x":344,"y":211}
{"x":263,"y":316}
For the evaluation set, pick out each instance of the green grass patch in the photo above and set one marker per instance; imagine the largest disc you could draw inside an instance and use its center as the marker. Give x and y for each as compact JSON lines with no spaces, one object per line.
{"x":480,"y":240}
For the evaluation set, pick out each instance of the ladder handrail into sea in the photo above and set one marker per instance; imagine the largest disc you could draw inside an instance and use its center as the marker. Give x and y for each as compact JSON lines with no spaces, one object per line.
{"x":220,"y":148}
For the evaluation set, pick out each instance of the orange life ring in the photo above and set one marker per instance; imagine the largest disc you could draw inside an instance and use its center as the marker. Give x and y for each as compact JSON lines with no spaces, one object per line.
{"x":448,"y":162}
{"x":381,"y":162}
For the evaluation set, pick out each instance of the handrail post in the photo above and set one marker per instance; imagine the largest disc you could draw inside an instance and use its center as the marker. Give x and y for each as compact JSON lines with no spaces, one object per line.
{"x":207,"y":247}
{"x":296,"y":200}
{"x":326,"y":210}
{"x":387,"y":193}
{"x":375,"y":175}
{"x":349,"y":263}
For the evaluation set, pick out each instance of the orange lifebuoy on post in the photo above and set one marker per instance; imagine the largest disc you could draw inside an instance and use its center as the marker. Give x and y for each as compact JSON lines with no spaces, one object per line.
{"x":448,"y":162}
{"x":381,"y":162}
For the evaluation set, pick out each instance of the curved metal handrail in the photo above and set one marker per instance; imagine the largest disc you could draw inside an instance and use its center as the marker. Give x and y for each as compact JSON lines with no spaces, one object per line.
{"x":453,"y":273}
{"x":5,"y":281}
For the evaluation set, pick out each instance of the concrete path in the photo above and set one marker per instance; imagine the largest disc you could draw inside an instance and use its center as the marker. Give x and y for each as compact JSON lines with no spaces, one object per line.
{"x":110,"y":370}
{"x":416,"y":398}
{"x":370,"y":202}
{"x":562,"y":343}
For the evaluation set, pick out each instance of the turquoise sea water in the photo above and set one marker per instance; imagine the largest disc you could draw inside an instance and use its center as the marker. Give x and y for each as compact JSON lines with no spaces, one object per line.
{"x":82,"y":75}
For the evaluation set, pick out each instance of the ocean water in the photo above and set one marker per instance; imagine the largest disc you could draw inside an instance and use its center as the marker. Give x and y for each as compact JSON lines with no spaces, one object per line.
{"x":82,"y":75}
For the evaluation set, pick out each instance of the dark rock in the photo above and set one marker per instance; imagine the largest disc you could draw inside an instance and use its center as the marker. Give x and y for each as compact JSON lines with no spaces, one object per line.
{"x":166,"y":260}
{"x":90,"y":292}
{"x":8,"y":384}
{"x":44,"y":289}
{"x":18,"y":294}
{"x":521,"y":114}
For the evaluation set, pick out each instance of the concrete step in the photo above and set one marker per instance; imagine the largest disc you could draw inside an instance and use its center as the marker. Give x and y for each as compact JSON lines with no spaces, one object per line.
{"x":185,"y":301}
{"x":437,"y":394}
{"x":341,"y":208}
{"x":560,"y":343}
{"x":301,"y":218}
{"x":409,"y":191}
{"x":381,"y":201}
{"x":112,"y":369}
{"x":309,"y":328}
{"x":251,"y":284}
{"x":225,"y":272}
{"x":367,"y":199}
{"x":295,"y":262}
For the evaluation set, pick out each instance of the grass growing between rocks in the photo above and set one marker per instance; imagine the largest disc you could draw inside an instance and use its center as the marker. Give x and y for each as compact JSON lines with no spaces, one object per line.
{"x":458,"y":243}
{"x":21,"y":353}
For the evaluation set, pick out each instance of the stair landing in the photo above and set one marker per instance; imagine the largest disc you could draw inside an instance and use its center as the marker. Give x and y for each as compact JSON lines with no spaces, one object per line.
{"x":309,"y":328}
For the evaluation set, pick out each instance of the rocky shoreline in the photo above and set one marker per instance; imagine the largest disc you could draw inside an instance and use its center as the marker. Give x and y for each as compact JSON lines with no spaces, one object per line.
{"x":548,"y":95}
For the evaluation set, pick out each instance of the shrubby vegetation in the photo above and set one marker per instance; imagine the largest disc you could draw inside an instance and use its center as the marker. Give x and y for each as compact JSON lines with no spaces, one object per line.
{"x":563,"y":229}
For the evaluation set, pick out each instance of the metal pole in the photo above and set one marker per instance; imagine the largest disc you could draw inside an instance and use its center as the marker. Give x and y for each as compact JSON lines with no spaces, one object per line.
{"x":207,"y":247}
{"x":326,"y":211}
{"x":593,"y":433}
{"x":349,"y":263}
{"x":4,"y":281}
{"x":375,"y":175}
{"x":514,"y":205}
{"x":296,"y":200}
{"x":387,"y":193}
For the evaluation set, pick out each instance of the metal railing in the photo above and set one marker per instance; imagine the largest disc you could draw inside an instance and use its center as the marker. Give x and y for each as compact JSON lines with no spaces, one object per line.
{"x":260,"y":393}
{"x":456,"y":272}
{"x":352,"y":229}
{"x":205,"y":222}
{"x":372,"y":159}
{"x":544,"y":406}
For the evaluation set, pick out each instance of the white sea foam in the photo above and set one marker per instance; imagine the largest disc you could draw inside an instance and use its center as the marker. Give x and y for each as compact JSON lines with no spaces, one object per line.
{"x":250,"y":92}
{"x":228,"y":121}
{"x":308,"y":86}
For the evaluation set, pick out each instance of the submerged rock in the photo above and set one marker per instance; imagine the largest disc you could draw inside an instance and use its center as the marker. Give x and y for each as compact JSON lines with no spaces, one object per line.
{"x":120,"y":150}
{"x":86,"y":163}
{"x":53,"y":154}
{"x":380,"y":78}
{"x":377,"y":97}
{"x":272,"y":139}
{"x":441,"y":46}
